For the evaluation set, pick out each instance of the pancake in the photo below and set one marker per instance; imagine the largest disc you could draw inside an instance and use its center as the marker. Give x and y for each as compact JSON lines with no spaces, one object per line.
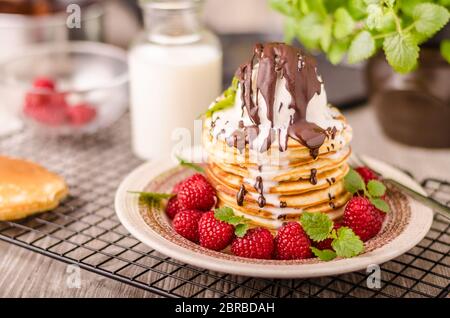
{"x":27,"y":188}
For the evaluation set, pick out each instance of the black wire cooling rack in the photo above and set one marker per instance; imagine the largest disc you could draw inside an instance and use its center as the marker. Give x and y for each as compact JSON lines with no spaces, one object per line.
{"x":85,"y":231}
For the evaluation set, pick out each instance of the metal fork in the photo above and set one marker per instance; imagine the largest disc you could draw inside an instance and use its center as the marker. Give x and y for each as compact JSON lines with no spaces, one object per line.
{"x":426,"y":200}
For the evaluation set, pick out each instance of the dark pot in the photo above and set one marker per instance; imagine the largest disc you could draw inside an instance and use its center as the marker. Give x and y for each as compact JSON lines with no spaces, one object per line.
{"x":413,"y":108}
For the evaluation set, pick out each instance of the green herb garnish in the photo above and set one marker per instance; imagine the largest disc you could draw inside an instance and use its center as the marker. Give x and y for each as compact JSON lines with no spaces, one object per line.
{"x":229,"y":96}
{"x":152,"y":199}
{"x":226,"y":214}
{"x":374,"y":191}
{"x":190,"y":165}
{"x":319,"y":226}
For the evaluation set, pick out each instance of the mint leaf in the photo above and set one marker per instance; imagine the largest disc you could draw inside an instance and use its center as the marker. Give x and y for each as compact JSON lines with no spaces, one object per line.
{"x":223,"y":213}
{"x":445,"y":49}
{"x":387,"y":23}
{"x":226,"y":214}
{"x":317,"y":225}
{"x":241,"y":229}
{"x":325,"y":39}
{"x":429,"y":18}
{"x":353,"y":182}
{"x":189,"y":165}
{"x":281,"y":6}
{"x":337,"y":51}
{"x":310,"y":30}
{"x":362,"y":47}
{"x":380,"y":204}
{"x":357,"y":8}
{"x":324,"y":255}
{"x":316,"y":6}
{"x":347,"y":243}
{"x":229,"y":96}
{"x":152,"y":199}
{"x":376,"y":188}
{"x":401,"y":51}
{"x":407,"y":7}
{"x":290,"y":30}
{"x":344,"y":23}
{"x":235,"y":220}
{"x":375,"y":16}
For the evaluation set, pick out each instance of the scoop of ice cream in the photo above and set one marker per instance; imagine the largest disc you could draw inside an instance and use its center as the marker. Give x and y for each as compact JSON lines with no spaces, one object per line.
{"x":279,"y":95}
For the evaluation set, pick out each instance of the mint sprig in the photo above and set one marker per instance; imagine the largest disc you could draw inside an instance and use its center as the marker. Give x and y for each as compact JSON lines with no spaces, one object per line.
{"x":324,"y":255}
{"x":190,"y":165}
{"x":229,"y":96}
{"x":376,"y":188}
{"x":319,"y":226}
{"x":374,"y":191}
{"x":353,"y":182}
{"x":226,"y":214}
{"x":152,"y":199}
{"x":397,"y":27}
{"x":347,"y":243}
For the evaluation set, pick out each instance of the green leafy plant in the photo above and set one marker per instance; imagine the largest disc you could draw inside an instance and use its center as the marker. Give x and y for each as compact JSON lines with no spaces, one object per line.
{"x":359,"y":28}
{"x":320,"y":227}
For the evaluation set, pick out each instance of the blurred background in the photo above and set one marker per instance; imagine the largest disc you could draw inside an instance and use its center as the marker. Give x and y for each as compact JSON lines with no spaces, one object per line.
{"x":41,"y":38}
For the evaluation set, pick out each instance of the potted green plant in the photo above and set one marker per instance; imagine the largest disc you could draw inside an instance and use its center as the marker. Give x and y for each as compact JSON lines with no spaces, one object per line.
{"x":408,"y":47}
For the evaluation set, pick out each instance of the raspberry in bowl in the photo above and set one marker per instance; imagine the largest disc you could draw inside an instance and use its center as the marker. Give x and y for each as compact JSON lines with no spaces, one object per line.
{"x":66,"y":89}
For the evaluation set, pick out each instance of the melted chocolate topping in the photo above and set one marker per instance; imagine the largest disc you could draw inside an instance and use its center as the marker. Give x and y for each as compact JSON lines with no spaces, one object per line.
{"x":313,"y":177}
{"x":279,"y":60}
{"x":241,"y":195}
{"x":259,"y":187}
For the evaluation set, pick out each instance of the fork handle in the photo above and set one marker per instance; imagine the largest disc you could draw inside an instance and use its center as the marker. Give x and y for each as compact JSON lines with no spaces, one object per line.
{"x":431,"y":203}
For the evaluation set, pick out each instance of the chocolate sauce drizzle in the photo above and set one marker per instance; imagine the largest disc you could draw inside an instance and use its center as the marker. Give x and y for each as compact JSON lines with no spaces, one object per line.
{"x":259,"y":187}
{"x":240,"y":195}
{"x":279,"y":60}
{"x":313,"y":177}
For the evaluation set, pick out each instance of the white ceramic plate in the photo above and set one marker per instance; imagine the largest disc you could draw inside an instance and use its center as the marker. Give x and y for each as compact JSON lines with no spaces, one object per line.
{"x":407,"y":227}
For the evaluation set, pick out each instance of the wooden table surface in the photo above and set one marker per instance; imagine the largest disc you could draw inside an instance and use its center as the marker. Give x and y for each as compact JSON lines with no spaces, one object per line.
{"x":27,"y":274}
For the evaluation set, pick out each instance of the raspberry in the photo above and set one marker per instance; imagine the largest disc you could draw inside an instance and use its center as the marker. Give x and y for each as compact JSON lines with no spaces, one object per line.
{"x":172,"y":207}
{"x":214,"y":234}
{"x":52,"y":115}
{"x":256,"y":243}
{"x":362,"y":217}
{"x":47,"y":108}
{"x":81,"y":114}
{"x":196,"y":193}
{"x":44,"y":82}
{"x":185,"y":223}
{"x":177,"y":187}
{"x":292,"y":242}
{"x":326,"y":244}
{"x":366,"y":174}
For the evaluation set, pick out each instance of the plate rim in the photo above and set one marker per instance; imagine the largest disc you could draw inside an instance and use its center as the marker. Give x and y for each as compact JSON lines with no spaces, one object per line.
{"x":127,"y":210}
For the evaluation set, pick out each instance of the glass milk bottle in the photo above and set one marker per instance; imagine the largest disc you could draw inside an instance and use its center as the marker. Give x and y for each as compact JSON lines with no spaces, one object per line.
{"x":175,"y":73}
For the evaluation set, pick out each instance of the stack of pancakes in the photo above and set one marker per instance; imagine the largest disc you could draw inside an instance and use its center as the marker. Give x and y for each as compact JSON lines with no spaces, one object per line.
{"x":278,"y":148}
{"x":292,"y":181}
